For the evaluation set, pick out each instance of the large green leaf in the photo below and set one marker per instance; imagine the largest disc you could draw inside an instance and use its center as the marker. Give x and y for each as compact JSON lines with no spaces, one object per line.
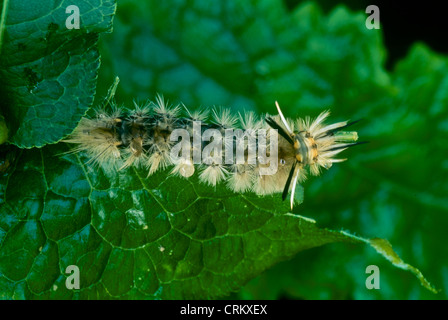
{"x":48,"y":72}
{"x":133,"y":237}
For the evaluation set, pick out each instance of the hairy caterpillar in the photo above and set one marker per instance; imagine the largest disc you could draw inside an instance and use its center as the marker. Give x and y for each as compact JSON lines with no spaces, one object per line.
{"x":266,"y":156}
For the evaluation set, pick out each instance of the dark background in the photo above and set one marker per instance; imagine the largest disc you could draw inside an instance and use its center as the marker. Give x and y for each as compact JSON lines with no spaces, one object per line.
{"x":402,"y":23}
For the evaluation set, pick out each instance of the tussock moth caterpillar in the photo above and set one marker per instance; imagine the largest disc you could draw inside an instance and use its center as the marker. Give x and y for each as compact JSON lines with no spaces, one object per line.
{"x":268,"y":155}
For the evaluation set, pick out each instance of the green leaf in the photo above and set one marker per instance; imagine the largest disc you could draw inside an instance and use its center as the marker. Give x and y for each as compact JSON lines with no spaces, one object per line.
{"x":48,"y":72}
{"x":133,"y":237}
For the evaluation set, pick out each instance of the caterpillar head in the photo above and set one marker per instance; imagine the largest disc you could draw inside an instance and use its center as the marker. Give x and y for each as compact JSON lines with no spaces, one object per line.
{"x":314,"y":144}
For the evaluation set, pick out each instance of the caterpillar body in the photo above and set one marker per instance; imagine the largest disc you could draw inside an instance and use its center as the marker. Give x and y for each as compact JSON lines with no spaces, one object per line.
{"x":265,"y":156}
